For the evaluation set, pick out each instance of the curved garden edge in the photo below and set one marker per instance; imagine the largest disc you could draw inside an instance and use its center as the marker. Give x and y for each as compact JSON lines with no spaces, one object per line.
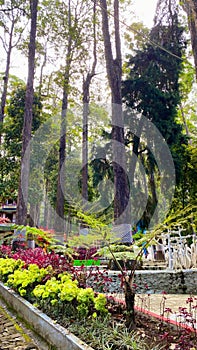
{"x":159,"y":317}
{"x":55,"y":335}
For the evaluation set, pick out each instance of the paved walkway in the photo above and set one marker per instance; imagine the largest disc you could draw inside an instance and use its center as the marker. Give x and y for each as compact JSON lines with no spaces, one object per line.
{"x":177,"y":307}
{"x":158,"y":303}
{"x":180,"y":308}
{"x":14,"y":335}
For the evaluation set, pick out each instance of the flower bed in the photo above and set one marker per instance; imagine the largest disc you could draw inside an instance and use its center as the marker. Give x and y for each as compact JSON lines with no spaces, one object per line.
{"x":59,"y":292}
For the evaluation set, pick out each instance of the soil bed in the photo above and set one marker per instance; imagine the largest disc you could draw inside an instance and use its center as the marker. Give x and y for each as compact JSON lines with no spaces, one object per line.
{"x":147,"y":333}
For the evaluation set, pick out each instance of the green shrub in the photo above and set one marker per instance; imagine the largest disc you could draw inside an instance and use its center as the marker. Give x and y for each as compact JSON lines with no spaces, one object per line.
{"x":23,"y":280}
{"x":59,"y":293}
{"x":56,"y":295}
{"x":8,"y":266}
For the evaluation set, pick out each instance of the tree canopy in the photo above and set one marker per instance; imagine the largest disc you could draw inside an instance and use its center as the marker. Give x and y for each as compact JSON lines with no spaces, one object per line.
{"x":82,"y":55}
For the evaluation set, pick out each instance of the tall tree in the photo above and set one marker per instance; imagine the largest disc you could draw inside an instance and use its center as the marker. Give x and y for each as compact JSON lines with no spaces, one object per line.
{"x":60,"y":201}
{"x":121,"y":184}
{"x":21,"y":214}
{"x":9,"y":19}
{"x":13,"y":125}
{"x":86,"y":98}
{"x":152,"y":88}
{"x":190,"y":7}
{"x":114,"y":74}
{"x":69,"y":25}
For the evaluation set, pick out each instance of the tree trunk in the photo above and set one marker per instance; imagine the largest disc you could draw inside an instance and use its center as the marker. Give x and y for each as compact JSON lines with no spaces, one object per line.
{"x":84,"y":189}
{"x":114,"y":73}
{"x":32,"y":210}
{"x":86,"y":99}
{"x":46,"y":206}
{"x":41,"y":74}
{"x":121,"y":183}
{"x":130,"y":302}
{"x":190,"y":7}
{"x":60,"y":199}
{"x":153,"y":193}
{"x":37,"y":214}
{"x":34,"y":214}
{"x":21,"y":213}
{"x":59,"y":221}
{"x":185,"y":123}
{"x":6,"y":77}
{"x":13,"y":15}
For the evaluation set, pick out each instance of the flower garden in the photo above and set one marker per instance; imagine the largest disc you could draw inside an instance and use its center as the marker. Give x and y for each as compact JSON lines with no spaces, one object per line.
{"x":50,"y":281}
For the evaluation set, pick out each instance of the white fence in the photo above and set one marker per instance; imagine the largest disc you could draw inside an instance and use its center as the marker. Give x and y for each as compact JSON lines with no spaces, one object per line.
{"x":177,"y":253}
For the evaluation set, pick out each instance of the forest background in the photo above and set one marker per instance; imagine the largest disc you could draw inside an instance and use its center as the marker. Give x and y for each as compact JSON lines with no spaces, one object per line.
{"x":58,"y":136}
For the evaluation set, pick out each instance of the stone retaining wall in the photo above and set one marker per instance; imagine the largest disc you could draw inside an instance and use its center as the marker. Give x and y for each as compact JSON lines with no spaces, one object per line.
{"x":153,"y":281}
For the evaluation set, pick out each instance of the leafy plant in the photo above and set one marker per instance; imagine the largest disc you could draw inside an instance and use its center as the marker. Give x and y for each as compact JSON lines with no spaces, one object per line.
{"x":120,"y":252}
{"x":24,"y":280}
{"x":63,"y":291}
{"x":39,"y":257}
{"x":41,"y":237}
{"x":186,"y":216}
{"x":84,"y":253}
{"x":8,"y":266}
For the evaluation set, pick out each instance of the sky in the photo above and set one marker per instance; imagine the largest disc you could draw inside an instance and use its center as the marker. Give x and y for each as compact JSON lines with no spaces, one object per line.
{"x":145,"y":10}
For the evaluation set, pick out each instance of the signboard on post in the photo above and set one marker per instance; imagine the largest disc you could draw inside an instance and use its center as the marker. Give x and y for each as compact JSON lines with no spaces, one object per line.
{"x":122,"y":233}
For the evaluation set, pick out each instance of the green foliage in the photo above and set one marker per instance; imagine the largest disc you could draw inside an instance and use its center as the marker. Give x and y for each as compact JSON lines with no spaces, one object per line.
{"x":186,"y":79}
{"x":65,"y":291}
{"x":12,"y":145}
{"x":120,"y":252}
{"x":153,"y":88}
{"x":100,"y":303}
{"x":23,"y":280}
{"x":185,"y":218}
{"x":85,"y":240}
{"x":61,"y":249}
{"x":69,"y":289}
{"x":14,"y":120}
{"x":55,"y":292}
{"x":41,"y":237}
{"x":187,"y":190}
{"x":8,"y":266}
{"x":50,"y":289}
{"x":105,"y":335}
{"x":85,"y":296}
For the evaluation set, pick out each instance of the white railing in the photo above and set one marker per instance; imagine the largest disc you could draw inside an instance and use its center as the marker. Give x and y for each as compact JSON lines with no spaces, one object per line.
{"x":178,"y":254}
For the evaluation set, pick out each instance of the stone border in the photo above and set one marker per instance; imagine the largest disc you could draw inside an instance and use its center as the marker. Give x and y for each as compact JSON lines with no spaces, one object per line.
{"x":158,"y":281}
{"x":53,"y":333}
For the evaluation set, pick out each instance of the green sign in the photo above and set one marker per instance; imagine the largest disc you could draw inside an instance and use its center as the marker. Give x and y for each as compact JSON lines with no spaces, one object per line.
{"x":86,"y":262}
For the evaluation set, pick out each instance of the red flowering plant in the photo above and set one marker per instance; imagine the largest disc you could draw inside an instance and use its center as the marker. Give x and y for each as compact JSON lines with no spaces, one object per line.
{"x":93,"y":277}
{"x":5,"y":251}
{"x":39,"y":257}
{"x":4,"y":220}
{"x":83,"y":253}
